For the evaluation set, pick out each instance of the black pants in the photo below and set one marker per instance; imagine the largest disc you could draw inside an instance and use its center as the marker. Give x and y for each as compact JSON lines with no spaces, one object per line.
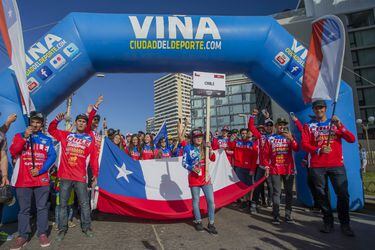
{"x":310,"y":184}
{"x":337,"y":176}
{"x":288,"y":181}
{"x":259,"y":189}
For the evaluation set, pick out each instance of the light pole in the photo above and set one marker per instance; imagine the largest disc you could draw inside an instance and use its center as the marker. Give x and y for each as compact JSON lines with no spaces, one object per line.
{"x":365,"y":127}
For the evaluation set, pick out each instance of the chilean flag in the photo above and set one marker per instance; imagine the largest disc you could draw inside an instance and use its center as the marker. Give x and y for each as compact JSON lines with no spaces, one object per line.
{"x":159,"y":189}
{"x":11,"y":30}
{"x":322,"y":75}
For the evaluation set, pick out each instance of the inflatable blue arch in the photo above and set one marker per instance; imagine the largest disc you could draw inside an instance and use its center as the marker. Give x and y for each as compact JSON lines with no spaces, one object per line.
{"x":84,"y":43}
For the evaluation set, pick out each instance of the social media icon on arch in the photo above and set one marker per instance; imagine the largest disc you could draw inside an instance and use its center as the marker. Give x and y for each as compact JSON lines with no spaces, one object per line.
{"x":58,"y":61}
{"x":44,"y":72}
{"x":71,"y":50}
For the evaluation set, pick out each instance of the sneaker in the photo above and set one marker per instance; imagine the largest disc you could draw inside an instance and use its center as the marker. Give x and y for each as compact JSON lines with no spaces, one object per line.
{"x":212,"y":229}
{"x":89,"y":233}
{"x":71,"y":224}
{"x":347,"y":231}
{"x":44,"y":241}
{"x":276,"y":221}
{"x":288,"y":219}
{"x":198,"y":226}
{"x":60,"y":235}
{"x":326,"y":228}
{"x":18,"y":243}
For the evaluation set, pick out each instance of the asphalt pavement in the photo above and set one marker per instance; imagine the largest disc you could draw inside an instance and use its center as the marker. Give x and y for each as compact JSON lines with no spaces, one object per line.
{"x":237,"y":230}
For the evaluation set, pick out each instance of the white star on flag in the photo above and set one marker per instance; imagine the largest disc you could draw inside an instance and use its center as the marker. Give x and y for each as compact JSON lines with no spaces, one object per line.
{"x":123,"y":172}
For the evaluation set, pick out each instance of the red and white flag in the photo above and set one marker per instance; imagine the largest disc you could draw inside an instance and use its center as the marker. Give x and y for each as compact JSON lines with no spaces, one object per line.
{"x":11,"y":31}
{"x":323,"y":68}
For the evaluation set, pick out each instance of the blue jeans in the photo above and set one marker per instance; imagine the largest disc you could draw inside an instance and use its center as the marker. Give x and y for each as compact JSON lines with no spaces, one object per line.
{"x":24,"y":196}
{"x":57,"y":212}
{"x":81,"y":190}
{"x":209,"y":194}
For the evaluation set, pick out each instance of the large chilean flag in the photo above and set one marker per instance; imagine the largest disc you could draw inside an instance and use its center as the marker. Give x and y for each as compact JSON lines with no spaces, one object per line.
{"x":11,"y":31}
{"x":322,"y":74}
{"x":158,"y":189}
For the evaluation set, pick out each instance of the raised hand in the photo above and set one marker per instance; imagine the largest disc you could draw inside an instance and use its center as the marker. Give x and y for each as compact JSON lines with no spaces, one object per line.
{"x":60,"y":117}
{"x":11,"y":118}
{"x":28,"y":132}
{"x":99,"y":100}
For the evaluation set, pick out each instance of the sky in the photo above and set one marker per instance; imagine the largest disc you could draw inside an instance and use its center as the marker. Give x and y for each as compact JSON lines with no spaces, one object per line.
{"x":128,"y":98}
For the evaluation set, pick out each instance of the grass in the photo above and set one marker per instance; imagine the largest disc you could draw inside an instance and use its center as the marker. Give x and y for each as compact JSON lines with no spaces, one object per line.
{"x":369,"y":183}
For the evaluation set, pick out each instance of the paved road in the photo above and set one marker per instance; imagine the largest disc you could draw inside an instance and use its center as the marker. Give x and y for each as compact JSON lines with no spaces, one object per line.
{"x":237,"y":230}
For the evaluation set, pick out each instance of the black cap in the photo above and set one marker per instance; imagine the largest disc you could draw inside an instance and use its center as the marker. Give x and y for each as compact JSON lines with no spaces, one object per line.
{"x":244,"y":129}
{"x":196,"y":133}
{"x":319,"y":103}
{"x":282,"y":120}
{"x":141,"y":132}
{"x":34,"y":115}
{"x":82,"y":116}
{"x":111,"y":132}
{"x":97,"y":116}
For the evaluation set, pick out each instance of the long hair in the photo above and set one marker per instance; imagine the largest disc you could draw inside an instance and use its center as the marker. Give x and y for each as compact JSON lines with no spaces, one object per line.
{"x":131,"y":145}
{"x":202,"y":150}
{"x":151,"y":142}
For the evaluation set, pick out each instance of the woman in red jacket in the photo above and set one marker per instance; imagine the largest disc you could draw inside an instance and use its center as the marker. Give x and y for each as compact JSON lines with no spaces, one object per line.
{"x":194,"y":161}
{"x":148,"y":150}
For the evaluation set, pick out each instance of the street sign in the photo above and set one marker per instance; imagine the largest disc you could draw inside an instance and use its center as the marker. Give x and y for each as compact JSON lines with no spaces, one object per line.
{"x":208,"y":84}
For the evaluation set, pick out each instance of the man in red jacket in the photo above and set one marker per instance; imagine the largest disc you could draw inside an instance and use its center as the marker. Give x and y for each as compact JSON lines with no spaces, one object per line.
{"x":76,"y":148}
{"x":279,"y":162}
{"x":326,"y":161}
{"x":30,"y":178}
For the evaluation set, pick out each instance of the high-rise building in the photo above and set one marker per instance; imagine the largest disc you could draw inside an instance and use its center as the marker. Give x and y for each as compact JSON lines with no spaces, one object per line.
{"x":150,"y":125}
{"x":359,"y":62}
{"x":172,"y":101}
{"x":231,"y":110}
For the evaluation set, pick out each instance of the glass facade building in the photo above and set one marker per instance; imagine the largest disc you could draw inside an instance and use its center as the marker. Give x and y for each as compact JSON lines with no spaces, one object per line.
{"x":361,"y":34}
{"x":228,"y":110}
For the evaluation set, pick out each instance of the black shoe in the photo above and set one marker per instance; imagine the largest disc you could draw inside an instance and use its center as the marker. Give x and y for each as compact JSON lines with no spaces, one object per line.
{"x":198,"y":226}
{"x":326,"y":228}
{"x":89,"y":233}
{"x":347,"y":231}
{"x":288,"y":219}
{"x":211,"y":229}
{"x":60,"y":235}
{"x":276,"y":221}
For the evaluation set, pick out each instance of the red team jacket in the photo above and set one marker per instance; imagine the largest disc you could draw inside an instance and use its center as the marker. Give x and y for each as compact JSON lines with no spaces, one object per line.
{"x":44,"y":158}
{"x":75,"y":150}
{"x":315,"y":135}
{"x":278,"y":154}
{"x":245,"y":153}
{"x":222,"y":143}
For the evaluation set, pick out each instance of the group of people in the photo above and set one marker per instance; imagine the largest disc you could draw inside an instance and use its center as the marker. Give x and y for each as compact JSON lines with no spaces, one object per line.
{"x":254,"y":152}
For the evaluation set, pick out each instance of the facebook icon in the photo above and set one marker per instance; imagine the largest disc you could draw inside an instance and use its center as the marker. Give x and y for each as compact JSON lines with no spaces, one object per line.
{"x":294,"y":68}
{"x":44,"y":72}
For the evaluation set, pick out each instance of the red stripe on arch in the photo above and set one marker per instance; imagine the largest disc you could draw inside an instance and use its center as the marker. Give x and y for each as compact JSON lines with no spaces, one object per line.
{"x":4,"y":31}
{"x":313,"y":62}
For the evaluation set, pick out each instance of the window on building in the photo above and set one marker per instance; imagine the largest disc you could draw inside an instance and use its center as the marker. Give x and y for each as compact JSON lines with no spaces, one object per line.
{"x":234,"y":89}
{"x":246,"y":87}
{"x":368,"y":73}
{"x":361,"y":19}
{"x":246,"y":108}
{"x":223,"y":110}
{"x":213,"y":111}
{"x":365,"y":57}
{"x":238,"y":109}
{"x":213,"y":122}
{"x":246,"y":97}
{"x":197,"y":103}
{"x":368,"y":95}
{"x":362,"y":38}
{"x":222,"y":121}
{"x":235,"y":99}
{"x":198,"y":123}
{"x":239,"y":120}
{"x":361,"y":98}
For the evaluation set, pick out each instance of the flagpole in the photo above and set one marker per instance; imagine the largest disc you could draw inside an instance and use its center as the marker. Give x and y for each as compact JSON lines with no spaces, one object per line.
{"x":208,"y":120}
